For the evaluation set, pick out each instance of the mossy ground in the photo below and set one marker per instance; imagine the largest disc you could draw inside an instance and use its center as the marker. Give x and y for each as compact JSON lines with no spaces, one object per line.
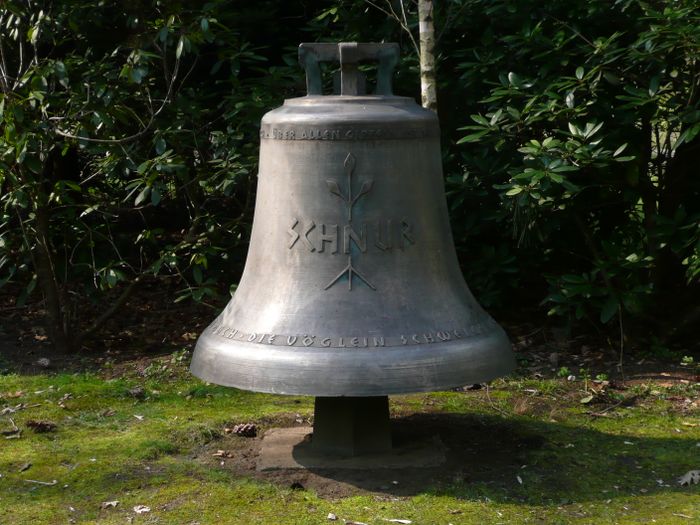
{"x":530,"y":452}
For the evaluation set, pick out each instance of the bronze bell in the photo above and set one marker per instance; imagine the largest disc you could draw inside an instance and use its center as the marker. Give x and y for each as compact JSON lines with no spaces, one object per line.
{"x":351,"y":286}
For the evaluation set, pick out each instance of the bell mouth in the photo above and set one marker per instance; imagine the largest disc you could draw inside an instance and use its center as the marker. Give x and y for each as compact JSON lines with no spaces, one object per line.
{"x":357,"y":372}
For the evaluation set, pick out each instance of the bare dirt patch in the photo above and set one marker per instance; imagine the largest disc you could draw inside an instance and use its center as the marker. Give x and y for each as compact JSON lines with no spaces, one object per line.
{"x":468,"y":441}
{"x":148,"y":327}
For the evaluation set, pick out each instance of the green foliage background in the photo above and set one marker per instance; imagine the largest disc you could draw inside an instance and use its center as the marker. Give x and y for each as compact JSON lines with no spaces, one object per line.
{"x":571,"y":137}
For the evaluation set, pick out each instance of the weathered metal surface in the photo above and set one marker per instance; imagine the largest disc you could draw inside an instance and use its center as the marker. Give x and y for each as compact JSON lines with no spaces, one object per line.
{"x":349,"y":54}
{"x":351,"y":285}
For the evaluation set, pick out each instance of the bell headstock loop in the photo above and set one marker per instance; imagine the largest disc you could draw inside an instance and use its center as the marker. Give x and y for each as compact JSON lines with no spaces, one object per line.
{"x":349,"y":55}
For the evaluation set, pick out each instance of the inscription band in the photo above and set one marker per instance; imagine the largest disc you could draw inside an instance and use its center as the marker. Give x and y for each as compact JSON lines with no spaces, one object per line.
{"x":317,"y":341}
{"x":347,"y":132}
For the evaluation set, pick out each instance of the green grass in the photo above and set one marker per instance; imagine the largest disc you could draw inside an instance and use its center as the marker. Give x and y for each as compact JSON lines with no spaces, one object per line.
{"x":574,"y":468}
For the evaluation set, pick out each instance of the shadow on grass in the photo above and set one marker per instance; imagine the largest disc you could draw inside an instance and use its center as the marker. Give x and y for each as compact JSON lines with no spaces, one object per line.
{"x":525,"y":460}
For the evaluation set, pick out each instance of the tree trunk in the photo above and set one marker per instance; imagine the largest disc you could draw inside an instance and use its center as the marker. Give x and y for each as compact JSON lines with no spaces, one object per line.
{"x":679,"y":191}
{"x":647,"y":190}
{"x":426,"y":29}
{"x":43,"y":259}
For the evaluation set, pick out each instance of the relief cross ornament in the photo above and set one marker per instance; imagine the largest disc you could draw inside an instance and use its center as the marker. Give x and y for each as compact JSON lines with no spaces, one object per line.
{"x":349,"y":200}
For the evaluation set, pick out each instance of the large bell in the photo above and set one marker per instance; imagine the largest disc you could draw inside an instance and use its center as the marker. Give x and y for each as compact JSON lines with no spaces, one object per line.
{"x":351,"y":286}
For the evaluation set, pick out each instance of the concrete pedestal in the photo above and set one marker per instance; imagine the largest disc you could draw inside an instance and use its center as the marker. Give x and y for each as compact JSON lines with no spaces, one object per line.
{"x":351,"y":426}
{"x":291,"y":449}
{"x":349,"y":433}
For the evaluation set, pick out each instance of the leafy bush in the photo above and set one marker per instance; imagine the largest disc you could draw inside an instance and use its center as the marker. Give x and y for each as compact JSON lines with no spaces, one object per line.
{"x":586,"y":118}
{"x":115,"y":163}
{"x":571,"y":136}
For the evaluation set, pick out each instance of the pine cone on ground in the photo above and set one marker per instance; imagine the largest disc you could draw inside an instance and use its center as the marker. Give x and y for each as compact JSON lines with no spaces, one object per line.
{"x":243,"y":430}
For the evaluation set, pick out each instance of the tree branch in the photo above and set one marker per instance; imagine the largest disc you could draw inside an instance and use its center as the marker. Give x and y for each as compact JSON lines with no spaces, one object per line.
{"x":148,"y":126}
{"x":116,"y":305}
{"x":4,"y":79}
{"x":405,"y":25}
{"x":402,"y":22}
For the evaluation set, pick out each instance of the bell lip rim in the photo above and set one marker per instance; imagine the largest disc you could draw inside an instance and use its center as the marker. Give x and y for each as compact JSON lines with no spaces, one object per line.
{"x":496,"y":359}
{"x":438,"y":387}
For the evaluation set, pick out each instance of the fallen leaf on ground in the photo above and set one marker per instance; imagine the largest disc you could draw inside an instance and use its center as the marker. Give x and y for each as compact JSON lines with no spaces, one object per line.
{"x":140,"y":509}
{"x":331,"y":516}
{"x":406,"y":522}
{"x":689,"y":478}
{"x":17,"y":408}
{"x":139,"y":417}
{"x":13,"y":433}
{"x":138,"y":392}
{"x":12,"y":410}
{"x":222,"y":454}
{"x":108,"y":412}
{"x":64,"y":398}
{"x":24,"y":467}
{"x":41,"y":427}
{"x":11,"y":395}
{"x":108,"y":504}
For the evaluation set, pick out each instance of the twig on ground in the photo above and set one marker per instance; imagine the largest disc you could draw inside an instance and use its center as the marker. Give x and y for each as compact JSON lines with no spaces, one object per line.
{"x":45,"y":483}
{"x":602,"y":413}
{"x":493,"y":405}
